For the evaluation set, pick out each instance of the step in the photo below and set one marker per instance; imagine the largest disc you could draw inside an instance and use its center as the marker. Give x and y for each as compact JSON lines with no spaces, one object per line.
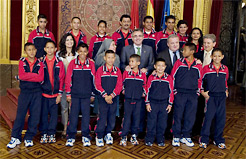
{"x":13,"y":94}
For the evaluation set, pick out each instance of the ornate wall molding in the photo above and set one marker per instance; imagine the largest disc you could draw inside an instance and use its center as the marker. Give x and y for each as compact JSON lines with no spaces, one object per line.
{"x":177,"y":9}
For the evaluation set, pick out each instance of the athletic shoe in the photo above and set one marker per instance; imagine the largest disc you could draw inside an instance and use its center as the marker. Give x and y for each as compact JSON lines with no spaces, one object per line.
{"x":52,"y":139}
{"x":176,"y":142}
{"x":13,"y":142}
{"x":28,"y":143}
{"x":123,"y":141}
{"x":134,"y":140}
{"x":99,"y":142}
{"x":70,"y":142}
{"x":202,"y":145}
{"x":220,"y":145}
{"x":148,"y":144}
{"x":109,"y":139}
{"x":86,"y":141}
{"x":161,"y":144}
{"x":44,"y":139}
{"x":187,"y":141}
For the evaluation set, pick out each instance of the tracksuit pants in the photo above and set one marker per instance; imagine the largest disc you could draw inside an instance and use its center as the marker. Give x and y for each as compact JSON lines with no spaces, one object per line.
{"x":79,"y":105}
{"x":156,"y":122}
{"x":185,"y":106}
{"x":131,"y":117}
{"x":142,"y":123}
{"x":106,"y":121}
{"x":215,"y":108}
{"x":31,"y":102}
{"x":48,"y":125}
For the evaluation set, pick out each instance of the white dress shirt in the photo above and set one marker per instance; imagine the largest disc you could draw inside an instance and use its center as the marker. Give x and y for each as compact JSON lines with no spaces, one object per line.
{"x":136,"y":50}
{"x":171,"y":55}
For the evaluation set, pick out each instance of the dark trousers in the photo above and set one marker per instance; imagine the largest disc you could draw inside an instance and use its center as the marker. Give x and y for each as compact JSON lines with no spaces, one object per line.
{"x":215,"y":108}
{"x":142,"y":123}
{"x":185,"y":106}
{"x":49,"y":106}
{"x":131,"y":117}
{"x":31,"y":102}
{"x":106,"y":121}
{"x":156,"y":122}
{"x":79,"y":105}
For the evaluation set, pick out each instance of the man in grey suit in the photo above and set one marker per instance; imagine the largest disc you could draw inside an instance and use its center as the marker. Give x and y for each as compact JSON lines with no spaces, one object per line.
{"x":146,"y":53}
{"x":172,"y":54}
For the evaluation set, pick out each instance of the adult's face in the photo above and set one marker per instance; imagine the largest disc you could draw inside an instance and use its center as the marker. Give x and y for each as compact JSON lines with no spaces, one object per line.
{"x":173,"y":43}
{"x":137,"y":37}
{"x":112,"y":46}
{"x":125,"y":23}
{"x":208,"y":44}
{"x":75,"y":24}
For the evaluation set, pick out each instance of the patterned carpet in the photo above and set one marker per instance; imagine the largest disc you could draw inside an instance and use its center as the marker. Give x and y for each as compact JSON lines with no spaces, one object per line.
{"x":234,"y":133}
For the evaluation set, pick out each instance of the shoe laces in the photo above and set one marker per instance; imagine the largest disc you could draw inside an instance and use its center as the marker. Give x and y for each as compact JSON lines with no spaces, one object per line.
{"x":176,"y":139}
{"x":12,"y":140}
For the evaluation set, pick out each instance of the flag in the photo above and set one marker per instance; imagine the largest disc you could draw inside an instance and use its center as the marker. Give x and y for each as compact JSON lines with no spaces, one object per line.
{"x":165,"y":12}
{"x":135,"y":14}
{"x":150,"y":9}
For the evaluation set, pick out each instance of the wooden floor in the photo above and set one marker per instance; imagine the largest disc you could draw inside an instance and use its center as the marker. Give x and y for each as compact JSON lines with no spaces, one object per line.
{"x":234,"y":133}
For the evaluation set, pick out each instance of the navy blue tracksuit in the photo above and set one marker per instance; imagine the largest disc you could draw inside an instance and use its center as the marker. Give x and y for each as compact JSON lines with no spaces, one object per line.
{"x":29,"y":98}
{"x":187,"y":83}
{"x":159,"y":95}
{"x":134,"y":88}
{"x":216,"y":84}
{"x":79,"y":84}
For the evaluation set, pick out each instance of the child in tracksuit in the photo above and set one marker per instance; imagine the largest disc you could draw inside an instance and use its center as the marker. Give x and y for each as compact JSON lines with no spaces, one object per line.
{"x":186,"y":74}
{"x":54,"y":75}
{"x":31,"y":73}
{"x":215,"y":75}
{"x":109,"y":85}
{"x":134,"y":82}
{"x":79,"y":85}
{"x":158,"y":101}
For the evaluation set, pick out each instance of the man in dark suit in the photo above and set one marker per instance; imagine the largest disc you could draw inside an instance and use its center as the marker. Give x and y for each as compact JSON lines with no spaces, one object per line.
{"x":146,"y":53}
{"x":172,"y":54}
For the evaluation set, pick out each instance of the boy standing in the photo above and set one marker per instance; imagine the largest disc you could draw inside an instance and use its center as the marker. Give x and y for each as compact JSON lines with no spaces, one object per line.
{"x":134,"y":82}
{"x":41,"y":35}
{"x":79,"y":86}
{"x":31,"y":73}
{"x":78,"y":35}
{"x":109,"y":85}
{"x":54,"y":75}
{"x":186,"y":74}
{"x":159,"y":100}
{"x":216,"y":75}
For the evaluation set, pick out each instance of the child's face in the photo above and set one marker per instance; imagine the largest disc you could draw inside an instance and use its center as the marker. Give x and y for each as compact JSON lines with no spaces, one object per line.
{"x":160,"y":67}
{"x":195,"y":34}
{"x":75,"y":24}
{"x":50,"y":49}
{"x":42,"y":22}
{"x":133,"y":63}
{"x":170,"y":24}
{"x":217,"y":57}
{"x":109,"y":59}
{"x":69,"y":42}
{"x":187,"y":52}
{"x":82,"y":52}
{"x":208,"y":44}
{"x":30,"y":51}
{"x":183,"y":28}
{"x":148,"y":24}
{"x":101,"y":28}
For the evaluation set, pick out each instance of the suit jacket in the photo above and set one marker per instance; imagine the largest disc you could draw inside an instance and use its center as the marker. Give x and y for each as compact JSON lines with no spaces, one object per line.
{"x":200,"y":56}
{"x":166,"y":56}
{"x":147,"y":57}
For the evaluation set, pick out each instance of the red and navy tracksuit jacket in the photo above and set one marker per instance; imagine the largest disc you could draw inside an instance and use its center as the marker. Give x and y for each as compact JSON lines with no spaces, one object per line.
{"x":119,"y":39}
{"x":182,"y":39}
{"x":159,"y":95}
{"x":29,"y":98}
{"x":150,"y":39}
{"x":216,"y":84}
{"x":39,"y":40}
{"x":134,"y":88}
{"x":161,"y":40}
{"x":95,"y":43}
{"x":81,"y":39}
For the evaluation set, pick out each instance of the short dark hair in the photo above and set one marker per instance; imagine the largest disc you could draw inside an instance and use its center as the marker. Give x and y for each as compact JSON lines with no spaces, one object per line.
{"x":125,"y":16}
{"x":217,"y":50}
{"x":28,"y":44}
{"x":182,"y":22}
{"x":109,"y":52}
{"x":148,"y":17}
{"x":42,"y":16}
{"x":50,"y":41}
{"x":135,"y":56}
{"x":170,"y":17}
{"x":160,"y":60}
{"x":191,"y":46}
{"x":76,"y":18}
{"x":83,"y":45}
{"x":200,"y":40}
{"x":102,"y":21}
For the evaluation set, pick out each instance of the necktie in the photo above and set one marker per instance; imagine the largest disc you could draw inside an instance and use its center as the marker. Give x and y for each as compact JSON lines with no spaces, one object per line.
{"x":174,"y":57}
{"x":138,"y":53}
{"x":207,"y":59}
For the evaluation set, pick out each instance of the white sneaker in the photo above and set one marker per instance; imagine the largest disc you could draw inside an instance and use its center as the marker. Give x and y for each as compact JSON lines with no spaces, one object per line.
{"x":28,"y":143}
{"x":13,"y":142}
{"x":109,"y":139}
{"x":187,"y":141}
{"x":176,"y":142}
{"x":70,"y":142}
{"x":99,"y":142}
{"x":86,"y":141}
